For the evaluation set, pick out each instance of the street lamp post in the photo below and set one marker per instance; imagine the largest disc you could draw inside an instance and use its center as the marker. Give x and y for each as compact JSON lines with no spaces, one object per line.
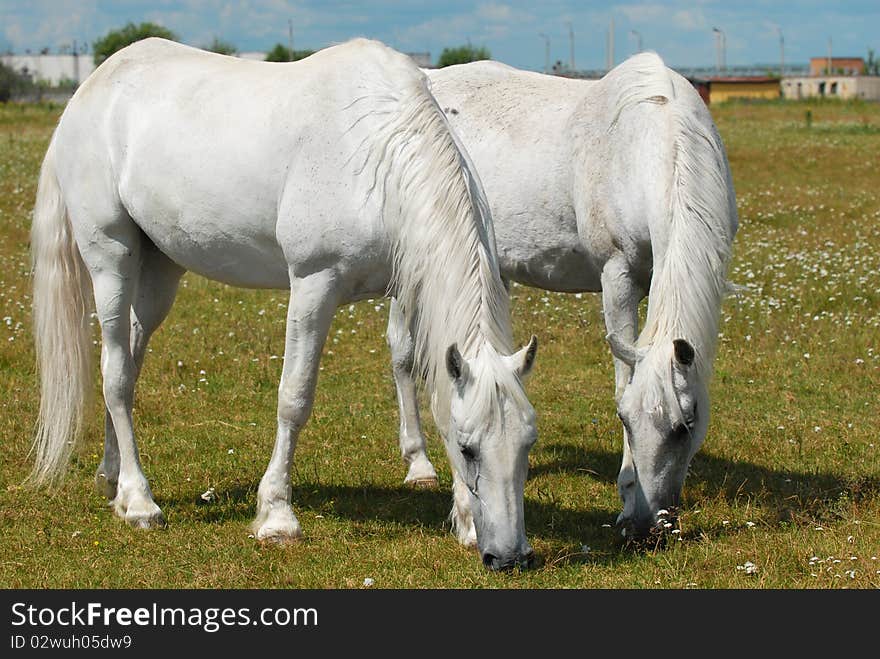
{"x":290,"y":38}
{"x":546,"y":52}
{"x":721,"y":48}
{"x":781,"y":53}
{"x":571,"y":46}
{"x":638,"y":37}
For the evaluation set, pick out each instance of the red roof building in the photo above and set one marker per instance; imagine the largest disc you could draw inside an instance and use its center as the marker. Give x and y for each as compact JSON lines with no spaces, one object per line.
{"x":850,"y":66}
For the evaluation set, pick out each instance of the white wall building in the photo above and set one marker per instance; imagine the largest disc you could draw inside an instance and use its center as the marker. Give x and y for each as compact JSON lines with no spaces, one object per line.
{"x":52,"y":69}
{"x":833,"y":86}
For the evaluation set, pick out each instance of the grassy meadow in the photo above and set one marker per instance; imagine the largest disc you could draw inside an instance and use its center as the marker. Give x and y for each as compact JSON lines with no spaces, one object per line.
{"x":785,"y":492}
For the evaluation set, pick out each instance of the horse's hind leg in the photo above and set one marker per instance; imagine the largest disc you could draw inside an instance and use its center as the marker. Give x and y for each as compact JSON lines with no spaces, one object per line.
{"x":313,"y":300}
{"x":412,"y":442}
{"x":157,"y":283}
{"x":111,"y":250}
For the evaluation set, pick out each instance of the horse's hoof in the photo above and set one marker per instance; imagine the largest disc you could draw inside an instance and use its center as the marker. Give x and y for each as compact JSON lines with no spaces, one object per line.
{"x":276,"y":526}
{"x":277,"y":536}
{"x":421,"y":474}
{"x":428,"y":483}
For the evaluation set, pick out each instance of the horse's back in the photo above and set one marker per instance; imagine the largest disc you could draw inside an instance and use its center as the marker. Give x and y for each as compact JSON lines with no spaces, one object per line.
{"x":497,"y":109}
{"x":203,"y":151}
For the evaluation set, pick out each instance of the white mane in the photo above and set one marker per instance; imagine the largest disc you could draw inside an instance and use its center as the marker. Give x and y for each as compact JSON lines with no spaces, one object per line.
{"x":690,"y":281}
{"x":446,"y":274}
{"x":691,"y":257}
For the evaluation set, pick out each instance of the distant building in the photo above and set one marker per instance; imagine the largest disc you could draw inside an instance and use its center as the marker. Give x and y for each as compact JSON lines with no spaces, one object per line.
{"x":848,"y":66}
{"x":55,"y":69}
{"x":835,"y":77}
{"x":833,"y":86}
{"x":720,"y":89}
{"x":51,"y":69}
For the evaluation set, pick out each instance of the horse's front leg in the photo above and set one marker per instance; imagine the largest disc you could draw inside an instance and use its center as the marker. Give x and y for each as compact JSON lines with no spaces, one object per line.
{"x":412,"y":441}
{"x":313,"y":300}
{"x":620,"y":304}
{"x":461,"y":516}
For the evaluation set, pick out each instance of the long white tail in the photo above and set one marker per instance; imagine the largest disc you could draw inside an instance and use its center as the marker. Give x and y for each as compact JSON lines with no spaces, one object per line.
{"x":61,"y":304}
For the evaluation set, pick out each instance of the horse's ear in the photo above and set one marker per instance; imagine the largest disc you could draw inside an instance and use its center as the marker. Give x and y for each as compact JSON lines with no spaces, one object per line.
{"x":523,"y":360}
{"x":624,"y":350}
{"x":684,"y":352}
{"x":456,"y":366}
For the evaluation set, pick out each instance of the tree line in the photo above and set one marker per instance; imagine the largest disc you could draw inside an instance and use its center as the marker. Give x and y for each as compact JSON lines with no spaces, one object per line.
{"x":13,"y":83}
{"x":117,"y":39}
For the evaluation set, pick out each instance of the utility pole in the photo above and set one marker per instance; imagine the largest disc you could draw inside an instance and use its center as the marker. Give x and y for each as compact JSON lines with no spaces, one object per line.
{"x":290,"y":37}
{"x":638,"y":37}
{"x":610,"y":62}
{"x":571,"y":46}
{"x":721,"y":48}
{"x":781,"y":52}
{"x":75,"y":64}
{"x":829,"y":56}
{"x":546,"y":52}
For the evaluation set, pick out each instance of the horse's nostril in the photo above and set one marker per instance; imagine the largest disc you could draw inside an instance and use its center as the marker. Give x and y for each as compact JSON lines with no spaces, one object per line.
{"x":529,"y":560}
{"x":490,"y":561}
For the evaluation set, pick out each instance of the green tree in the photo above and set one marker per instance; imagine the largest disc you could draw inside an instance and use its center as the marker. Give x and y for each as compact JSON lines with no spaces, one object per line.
{"x":872,"y":66}
{"x":462,"y":55}
{"x":222,"y":47}
{"x":281,"y":53}
{"x":12,"y":82}
{"x":119,"y":39}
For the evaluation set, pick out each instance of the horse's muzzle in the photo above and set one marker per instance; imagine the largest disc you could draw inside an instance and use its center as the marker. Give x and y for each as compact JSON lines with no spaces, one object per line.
{"x":497,"y":564}
{"x":648,"y":530}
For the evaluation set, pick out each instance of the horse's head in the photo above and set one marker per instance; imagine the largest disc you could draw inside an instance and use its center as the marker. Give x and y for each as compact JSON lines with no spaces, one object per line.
{"x":491,"y":429}
{"x":665,"y":414}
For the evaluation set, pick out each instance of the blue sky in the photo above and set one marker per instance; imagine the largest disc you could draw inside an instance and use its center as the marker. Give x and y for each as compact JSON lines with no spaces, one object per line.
{"x":681,"y":32}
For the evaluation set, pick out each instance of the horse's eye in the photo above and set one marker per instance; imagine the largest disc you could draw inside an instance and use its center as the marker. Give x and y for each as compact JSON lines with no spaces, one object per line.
{"x":468,"y":453}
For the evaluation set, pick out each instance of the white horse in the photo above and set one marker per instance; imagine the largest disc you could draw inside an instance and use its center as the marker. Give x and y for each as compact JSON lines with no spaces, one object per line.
{"x":622,"y":186}
{"x":336,"y":177}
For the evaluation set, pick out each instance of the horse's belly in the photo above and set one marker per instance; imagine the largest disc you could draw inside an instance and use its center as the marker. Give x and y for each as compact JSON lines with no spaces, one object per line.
{"x":208,"y":218}
{"x":246,"y":260}
{"x":538,"y":245}
{"x":562,"y":268}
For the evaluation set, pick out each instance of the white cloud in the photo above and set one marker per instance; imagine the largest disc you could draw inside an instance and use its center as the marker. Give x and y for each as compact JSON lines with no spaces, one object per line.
{"x":495,"y":12}
{"x":486,"y":22}
{"x":690,"y":19}
{"x":643,"y":13}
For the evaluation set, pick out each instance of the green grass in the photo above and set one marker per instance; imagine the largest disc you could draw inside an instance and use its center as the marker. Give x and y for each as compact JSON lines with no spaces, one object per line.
{"x":788,"y":479}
